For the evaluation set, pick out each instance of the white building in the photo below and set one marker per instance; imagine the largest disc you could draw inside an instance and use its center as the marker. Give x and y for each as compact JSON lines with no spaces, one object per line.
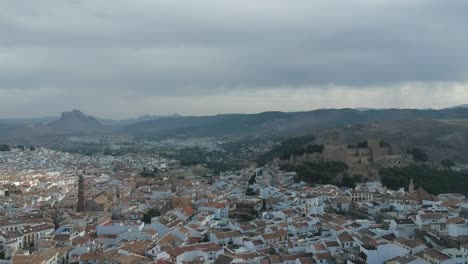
{"x":117,"y":227}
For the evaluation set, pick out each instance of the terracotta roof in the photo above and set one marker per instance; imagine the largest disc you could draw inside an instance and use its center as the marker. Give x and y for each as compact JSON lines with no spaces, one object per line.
{"x":89,"y":256}
{"x":270,"y":236}
{"x":322,"y":256}
{"x":215,"y":205}
{"x":306,"y":261}
{"x":411,"y":243}
{"x":169,"y":240}
{"x":223,"y":259}
{"x":221,"y":235}
{"x":431,"y":216}
{"x":331,"y":244}
{"x":61,"y":237}
{"x":420,"y":194}
{"x":455,"y":220}
{"x":345,"y":237}
{"x":138,"y":246}
{"x":101,"y":199}
{"x":42,"y":257}
{"x":206,"y":247}
{"x":436,"y":254}
{"x":115,"y":256}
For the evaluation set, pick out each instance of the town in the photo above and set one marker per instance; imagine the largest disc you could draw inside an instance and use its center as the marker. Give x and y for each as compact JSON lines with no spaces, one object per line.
{"x":58,"y":207}
{"x":233,"y":132}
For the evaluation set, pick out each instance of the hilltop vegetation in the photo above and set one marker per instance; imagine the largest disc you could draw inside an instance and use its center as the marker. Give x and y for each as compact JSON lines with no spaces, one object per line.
{"x":291,"y":146}
{"x":419,"y":155}
{"x":4,"y":147}
{"x":324,"y":172}
{"x":279,"y":123}
{"x":431,"y":178}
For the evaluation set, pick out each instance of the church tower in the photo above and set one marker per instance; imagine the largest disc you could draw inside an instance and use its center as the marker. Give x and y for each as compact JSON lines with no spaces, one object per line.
{"x":80,"y":205}
{"x":411,"y":186}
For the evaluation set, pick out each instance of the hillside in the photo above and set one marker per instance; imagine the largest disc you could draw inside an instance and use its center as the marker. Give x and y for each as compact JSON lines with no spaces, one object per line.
{"x":444,"y":131}
{"x":76,"y":121}
{"x":280,"y":123}
{"x":432,"y":179}
{"x":69,"y":124}
{"x":440,"y":139}
{"x":291,"y":146}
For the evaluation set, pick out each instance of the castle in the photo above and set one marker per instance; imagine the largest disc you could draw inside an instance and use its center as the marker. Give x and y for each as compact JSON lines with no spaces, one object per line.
{"x":364,"y":159}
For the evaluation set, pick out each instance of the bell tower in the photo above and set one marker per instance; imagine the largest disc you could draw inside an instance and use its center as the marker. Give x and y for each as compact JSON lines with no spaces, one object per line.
{"x":80,"y":206}
{"x":411,"y":186}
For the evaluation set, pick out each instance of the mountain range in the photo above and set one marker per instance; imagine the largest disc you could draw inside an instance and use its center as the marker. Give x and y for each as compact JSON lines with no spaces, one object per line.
{"x":459,"y":106}
{"x":281,"y":123}
{"x":75,"y":123}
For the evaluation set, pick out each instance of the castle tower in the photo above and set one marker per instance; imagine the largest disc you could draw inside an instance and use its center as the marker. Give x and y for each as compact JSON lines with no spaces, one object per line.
{"x":80,"y":205}
{"x":411,"y":186}
{"x":335,"y":149}
{"x":373,"y":140}
{"x":335,"y":137}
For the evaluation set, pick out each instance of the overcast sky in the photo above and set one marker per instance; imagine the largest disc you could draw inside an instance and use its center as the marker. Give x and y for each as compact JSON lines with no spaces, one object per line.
{"x":119,"y":59}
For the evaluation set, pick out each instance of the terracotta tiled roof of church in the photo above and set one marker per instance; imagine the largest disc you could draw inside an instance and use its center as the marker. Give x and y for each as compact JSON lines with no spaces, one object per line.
{"x":420,"y":194}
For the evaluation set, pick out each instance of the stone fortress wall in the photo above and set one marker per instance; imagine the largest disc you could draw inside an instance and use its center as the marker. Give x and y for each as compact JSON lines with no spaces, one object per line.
{"x":363,"y":161}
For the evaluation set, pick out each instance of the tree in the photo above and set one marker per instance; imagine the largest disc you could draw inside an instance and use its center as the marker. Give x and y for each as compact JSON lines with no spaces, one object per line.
{"x":349,"y":182}
{"x":320,"y":172}
{"x":252,"y":179}
{"x":32,"y":148}
{"x":205,"y":239}
{"x":362,"y":144}
{"x":359,"y":177}
{"x":419,"y":155}
{"x":4,"y":147}
{"x":383,"y":144}
{"x":250,"y":192}
{"x":446,"y":163}
{"x":431,"y":178}
{"x":313,"y":149}
{"x":107,"y":152}
{"x":149,"y":173}
{"x":291,"y":146}
{"x":150,"y":214}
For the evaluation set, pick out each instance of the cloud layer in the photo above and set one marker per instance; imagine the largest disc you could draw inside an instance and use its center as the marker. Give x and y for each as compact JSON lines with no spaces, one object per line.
{"x":119,"y":58}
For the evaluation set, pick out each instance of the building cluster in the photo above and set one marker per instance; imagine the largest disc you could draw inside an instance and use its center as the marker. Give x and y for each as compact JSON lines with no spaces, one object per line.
{"x":82,"y":211}
{"x":364,"y":159}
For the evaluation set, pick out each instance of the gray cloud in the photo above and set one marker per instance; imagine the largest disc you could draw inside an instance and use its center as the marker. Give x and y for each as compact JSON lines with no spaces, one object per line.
{"x":112,"y":50}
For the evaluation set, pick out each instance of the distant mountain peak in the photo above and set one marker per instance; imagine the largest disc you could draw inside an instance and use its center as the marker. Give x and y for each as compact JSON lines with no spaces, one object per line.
{"x":75,"y":113}
{"x":75,"y":120}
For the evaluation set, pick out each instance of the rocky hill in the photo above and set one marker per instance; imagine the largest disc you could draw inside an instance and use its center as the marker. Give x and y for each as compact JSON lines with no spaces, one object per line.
{"x":443,"y":131}
{"x":76,"y":121}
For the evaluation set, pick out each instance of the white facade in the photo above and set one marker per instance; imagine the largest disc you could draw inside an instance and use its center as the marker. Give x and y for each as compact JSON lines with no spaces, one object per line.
{"x":382,"y":253}
{"x":456,"y":230}
{"x":117,"y":227}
